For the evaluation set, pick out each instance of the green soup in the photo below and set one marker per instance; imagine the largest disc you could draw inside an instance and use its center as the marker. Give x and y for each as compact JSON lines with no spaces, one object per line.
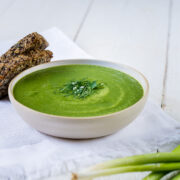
{"x":40,"y":91}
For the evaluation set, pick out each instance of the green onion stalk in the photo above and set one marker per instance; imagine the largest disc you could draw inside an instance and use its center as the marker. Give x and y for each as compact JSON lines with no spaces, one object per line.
{"x":124,"y":169}
{"x":159,"y":175}
{"x":170,"y":175}
{"x":177,"y":177}
{"x":156,"y":162}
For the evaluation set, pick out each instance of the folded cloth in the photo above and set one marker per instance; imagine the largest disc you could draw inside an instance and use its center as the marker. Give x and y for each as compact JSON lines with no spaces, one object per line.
{"x":28,"y":154}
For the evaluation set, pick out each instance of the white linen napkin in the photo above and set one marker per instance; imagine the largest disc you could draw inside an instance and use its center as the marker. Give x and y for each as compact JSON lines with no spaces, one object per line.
{"x":28,"y":154}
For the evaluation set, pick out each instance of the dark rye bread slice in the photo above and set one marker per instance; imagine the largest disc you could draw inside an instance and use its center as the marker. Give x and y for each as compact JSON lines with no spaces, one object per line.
{"x":16,"y":64}
{"x":29,"y":42}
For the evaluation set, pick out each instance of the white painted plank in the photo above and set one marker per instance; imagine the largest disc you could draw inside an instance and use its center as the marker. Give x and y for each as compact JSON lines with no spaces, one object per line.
{"x":172,"y":91}
{"x":130,"y":32}
{"x":24,"y":17}
{"x":5,"y":4}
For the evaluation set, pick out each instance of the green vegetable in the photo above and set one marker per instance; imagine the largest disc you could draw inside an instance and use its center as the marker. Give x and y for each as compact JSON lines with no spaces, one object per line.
{"x":162,"y":157}
{"x":155,"y":176}
{"x":177,"y":177}
{"x":170,"y":175}
{"x":124,"y":169}
{"x":159,"y":175}
{"x":81,"y":89}
{"x":164,"y":162}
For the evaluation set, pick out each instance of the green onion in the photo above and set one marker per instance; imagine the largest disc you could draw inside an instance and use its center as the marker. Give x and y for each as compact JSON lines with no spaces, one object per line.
{"x":161,"y":161}
{"x":177,"y":177}
{"x":159,"y":175}
{"x":125,"y":169}
{"x":155,"y":176}
{"x":162,"y":157}
{"x":170,"y":175}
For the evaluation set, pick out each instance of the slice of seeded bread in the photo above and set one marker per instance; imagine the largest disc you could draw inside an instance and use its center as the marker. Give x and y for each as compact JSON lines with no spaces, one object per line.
{"x":27,"y":53}
{"x":29,"y":42}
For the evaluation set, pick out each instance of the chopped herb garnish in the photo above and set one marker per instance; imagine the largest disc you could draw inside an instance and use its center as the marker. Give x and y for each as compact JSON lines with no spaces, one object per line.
{"x":81,"y":89}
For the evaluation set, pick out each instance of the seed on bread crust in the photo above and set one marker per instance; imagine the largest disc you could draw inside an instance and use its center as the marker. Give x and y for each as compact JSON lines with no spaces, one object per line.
{"x":39,"y":56}
{"x":26,"y":53}
{"x":17,"y":64}
{"x":29,"y":42}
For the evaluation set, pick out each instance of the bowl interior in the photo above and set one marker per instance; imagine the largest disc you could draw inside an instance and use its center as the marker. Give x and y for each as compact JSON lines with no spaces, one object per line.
{"x":126,"y":69}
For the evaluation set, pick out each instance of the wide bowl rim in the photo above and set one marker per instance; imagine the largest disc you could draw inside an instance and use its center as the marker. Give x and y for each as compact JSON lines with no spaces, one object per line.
{"x":11,"y":87}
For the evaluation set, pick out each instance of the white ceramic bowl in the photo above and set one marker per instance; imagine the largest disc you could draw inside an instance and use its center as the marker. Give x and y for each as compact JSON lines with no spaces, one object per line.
{"x":80,"y":127}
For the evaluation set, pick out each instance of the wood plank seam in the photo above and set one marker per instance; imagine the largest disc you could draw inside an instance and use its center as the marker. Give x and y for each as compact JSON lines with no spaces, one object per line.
{"x":83,"y":20}
{"x":163,"y":103}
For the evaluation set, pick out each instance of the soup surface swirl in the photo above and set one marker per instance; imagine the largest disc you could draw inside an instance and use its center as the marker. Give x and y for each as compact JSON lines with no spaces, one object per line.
{"x":40,"y":91}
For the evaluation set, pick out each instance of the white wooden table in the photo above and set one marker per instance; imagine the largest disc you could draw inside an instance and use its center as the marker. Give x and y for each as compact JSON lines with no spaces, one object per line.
{"x":144,"y":34}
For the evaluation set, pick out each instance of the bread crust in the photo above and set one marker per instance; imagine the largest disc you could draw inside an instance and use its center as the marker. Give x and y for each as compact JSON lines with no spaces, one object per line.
{"x":29,"y":42}
{"x":27,"y":53}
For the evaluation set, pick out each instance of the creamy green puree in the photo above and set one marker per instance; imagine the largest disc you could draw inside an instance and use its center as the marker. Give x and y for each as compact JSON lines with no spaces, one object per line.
{"x":40,"y":91}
